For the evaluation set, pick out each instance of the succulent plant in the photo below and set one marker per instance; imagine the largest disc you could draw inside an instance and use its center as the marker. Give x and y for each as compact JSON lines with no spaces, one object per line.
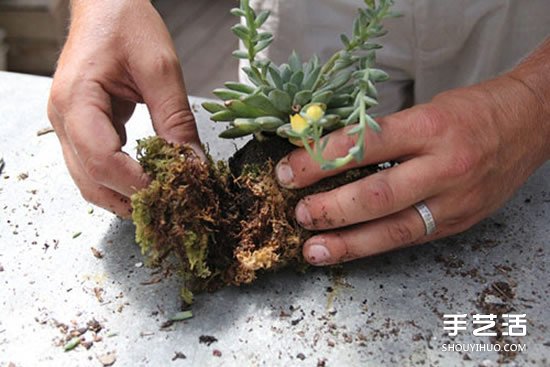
{"x":303,"y":101}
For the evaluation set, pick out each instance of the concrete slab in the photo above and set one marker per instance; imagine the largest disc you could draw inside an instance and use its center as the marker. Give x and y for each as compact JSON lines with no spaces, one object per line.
{"x":386,"y":310}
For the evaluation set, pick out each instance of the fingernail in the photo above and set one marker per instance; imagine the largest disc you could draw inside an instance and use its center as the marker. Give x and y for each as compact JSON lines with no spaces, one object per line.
{"x":302,"y":215}
{"x":285,"y":176}
{"x":317,"y":254}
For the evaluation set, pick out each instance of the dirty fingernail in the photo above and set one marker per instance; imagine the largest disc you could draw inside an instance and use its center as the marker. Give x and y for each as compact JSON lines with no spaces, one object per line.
{"x":302,"y":215}
{"x":284,"y":173}
{"x":317,"y":254}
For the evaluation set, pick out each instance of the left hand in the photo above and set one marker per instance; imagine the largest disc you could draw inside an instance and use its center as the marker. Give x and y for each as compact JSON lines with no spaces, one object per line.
{"x":464,"y":154}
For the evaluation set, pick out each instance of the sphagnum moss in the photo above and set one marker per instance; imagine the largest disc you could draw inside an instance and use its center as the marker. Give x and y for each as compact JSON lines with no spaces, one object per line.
{"x":221,"y":229}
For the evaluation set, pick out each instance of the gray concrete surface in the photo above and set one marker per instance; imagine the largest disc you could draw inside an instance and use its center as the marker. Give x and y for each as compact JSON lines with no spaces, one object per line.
{"x":383,"y":311}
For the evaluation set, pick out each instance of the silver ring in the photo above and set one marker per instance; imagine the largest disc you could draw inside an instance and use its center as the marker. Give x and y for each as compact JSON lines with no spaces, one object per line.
{"x":427,"y":217}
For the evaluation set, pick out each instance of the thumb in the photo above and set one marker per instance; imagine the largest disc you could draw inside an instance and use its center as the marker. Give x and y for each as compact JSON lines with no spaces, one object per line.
{"x":163,"y":90}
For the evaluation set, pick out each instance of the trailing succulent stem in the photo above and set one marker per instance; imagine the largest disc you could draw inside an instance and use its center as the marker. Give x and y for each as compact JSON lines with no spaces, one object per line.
{"x":303,"y":101}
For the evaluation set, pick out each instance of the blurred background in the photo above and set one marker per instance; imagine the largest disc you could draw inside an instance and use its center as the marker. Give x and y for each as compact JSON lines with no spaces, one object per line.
{"x":32,"y":33}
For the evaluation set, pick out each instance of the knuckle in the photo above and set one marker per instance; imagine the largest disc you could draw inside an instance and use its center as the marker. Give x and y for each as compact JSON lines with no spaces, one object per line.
{"x":348,"y":250}
{"x":95,"y":168}
{"x":177,"y":117}
{"x":431,"y":121}
{"x":165,"y":64}
{"x":343,"y":142}
{"x":462,"y":163}
{"x":52,"y":114}
{"x":400,"y":233}
{"x":58,"y":98}
{"x":377,"y":196}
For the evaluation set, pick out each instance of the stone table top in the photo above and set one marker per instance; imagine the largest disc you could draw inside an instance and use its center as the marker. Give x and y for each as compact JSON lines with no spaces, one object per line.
{"x":386,"y":310}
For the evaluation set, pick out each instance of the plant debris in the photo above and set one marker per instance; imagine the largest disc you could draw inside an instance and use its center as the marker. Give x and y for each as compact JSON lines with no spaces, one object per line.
{"x":181,"y":316}
{"x":22,"y":176}
{"x":98,"y":292}
{"x":98,"y":254}
{"x":207,"y":339}
{"x":178,"y":355}
{"x":107,"y":359}
{"x":44,"y":131}
{"x":72,"y":344}
{"x":76,"y":335}
{"x":76,"y":234}
{"x":498,"y":299}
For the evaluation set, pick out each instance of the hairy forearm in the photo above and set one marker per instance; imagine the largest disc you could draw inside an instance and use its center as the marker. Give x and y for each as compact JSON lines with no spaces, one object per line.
{"x":534,"y":74}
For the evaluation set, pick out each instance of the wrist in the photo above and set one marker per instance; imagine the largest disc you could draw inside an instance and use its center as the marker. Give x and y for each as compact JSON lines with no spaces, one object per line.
{"x":518,"y":117}
{"x":533,"y":75}
{"x":86,"y":8}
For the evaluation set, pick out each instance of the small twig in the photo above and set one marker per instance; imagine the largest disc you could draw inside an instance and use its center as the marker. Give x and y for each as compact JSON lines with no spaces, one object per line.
{"x":500,"y":291}
{"x":45,"y":131}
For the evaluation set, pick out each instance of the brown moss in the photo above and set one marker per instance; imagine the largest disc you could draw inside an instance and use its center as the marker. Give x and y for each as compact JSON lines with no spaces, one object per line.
{"x":222,"y":227}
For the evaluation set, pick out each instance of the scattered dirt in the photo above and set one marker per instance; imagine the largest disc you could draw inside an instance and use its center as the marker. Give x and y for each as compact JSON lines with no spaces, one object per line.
{"x":97,"y":254}
{"x":107,"y":359}
{"x":22,"y":176}
{"x":178,"y":355}
{"x":498,"y":299}
{"x":88,"y":334}
{"x":207,"y":339}
{"x":450,"y":262}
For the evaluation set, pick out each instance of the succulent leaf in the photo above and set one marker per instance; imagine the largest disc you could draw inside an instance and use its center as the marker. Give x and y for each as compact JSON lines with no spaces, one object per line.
{"x":239,"y":87}
{"x":302,"y":98}
{"x":227,"y":94}
{"x":262,"y":102}
{"x":281,"y":100}
{"x":243,"y":110}
{"x":213,"y":107}
{"x":224,"y":115}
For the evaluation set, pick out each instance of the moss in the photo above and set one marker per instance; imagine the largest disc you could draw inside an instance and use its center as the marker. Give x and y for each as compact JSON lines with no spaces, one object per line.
{"x":177,"y":214}
{"x":222,"y":228}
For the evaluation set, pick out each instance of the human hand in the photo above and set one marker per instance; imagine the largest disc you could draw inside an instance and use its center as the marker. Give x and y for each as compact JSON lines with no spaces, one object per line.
{"x":117,"y":54}
{"x":464,"y":154}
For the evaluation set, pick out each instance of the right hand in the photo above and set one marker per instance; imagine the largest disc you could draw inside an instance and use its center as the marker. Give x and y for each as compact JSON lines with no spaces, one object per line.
{"x":118,"y":53}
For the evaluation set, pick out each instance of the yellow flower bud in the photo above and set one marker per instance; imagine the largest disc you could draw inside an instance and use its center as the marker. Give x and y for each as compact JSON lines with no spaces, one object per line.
{"x":298,"y":123}
{"x":315,"y":112}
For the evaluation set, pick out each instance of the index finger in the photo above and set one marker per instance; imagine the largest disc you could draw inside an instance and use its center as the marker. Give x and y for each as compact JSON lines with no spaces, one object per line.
{"x":401,"y":136}
{"x":97,"y":145}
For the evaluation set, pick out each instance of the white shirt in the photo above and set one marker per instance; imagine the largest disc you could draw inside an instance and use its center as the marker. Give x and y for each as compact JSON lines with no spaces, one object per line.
{"x":436,"y":44}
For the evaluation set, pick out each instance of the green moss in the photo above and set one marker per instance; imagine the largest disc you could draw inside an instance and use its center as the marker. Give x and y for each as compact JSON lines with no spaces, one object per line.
{"x":179,"y":211}
{"x":196,"y":249}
